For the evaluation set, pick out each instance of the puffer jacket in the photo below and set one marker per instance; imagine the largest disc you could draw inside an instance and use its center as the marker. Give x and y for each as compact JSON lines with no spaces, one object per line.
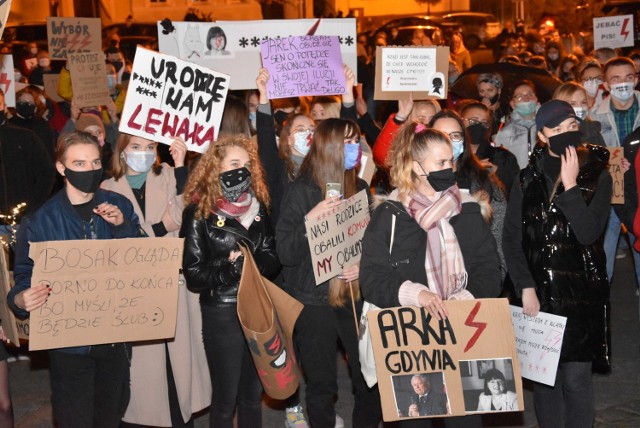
{"x":519,"y":137}
{"x":207,"y":245}
{"x":569,"y":271}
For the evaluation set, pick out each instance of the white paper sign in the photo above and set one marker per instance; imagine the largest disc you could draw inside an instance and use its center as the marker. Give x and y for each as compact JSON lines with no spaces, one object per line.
{"x":538,"y":343}
{"x":408,"y":69}
{"x":233,"y":47}
{"x":613,"y":31}
{"x":169,"y":97}
{"x":7,"y":81}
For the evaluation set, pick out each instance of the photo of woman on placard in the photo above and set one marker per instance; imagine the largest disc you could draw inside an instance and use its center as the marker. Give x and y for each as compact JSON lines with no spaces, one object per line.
{"x":216,"y":42}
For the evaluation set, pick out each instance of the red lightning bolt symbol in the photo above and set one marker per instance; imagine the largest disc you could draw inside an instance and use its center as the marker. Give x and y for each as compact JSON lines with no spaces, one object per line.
{"x":480,"y":326}
{"x":5,"y":81}
{"x":85,"y":42}
{"x":615,"y":154}
{"x":624,"y":31}
{"x":555,"y":337}
{"x":71,"y":43}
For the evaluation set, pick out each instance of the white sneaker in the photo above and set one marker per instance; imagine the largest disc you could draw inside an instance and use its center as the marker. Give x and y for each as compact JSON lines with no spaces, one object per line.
{"x":339,"y":421}
{"x":295,"y":417}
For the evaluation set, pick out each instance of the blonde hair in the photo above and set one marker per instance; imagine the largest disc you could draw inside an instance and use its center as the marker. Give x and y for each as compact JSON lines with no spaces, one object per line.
{"x":203,"y":188}
{"x":330,"y":104}
{"x":411,"y":143}
{"x":565,"y":91}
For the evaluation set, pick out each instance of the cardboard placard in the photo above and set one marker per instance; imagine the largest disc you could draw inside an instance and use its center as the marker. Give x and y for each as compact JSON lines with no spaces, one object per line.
{"x":73,"y":35}
{"x":7,"y":318}
{"x":615,"y":169}
{"x":169,"y":97}
{"x":51,"y":86}
{"x":7,"y":81}
{"x":538,"y":343}
{"x":268,"y":316}
{"x":233,"y":47}
{"x":335,"y":239}
{"x":453,"y":355}
{"x":303,"y":66}
{"x":613,"y":31}
{"x":105,"y":291}
{"x":420,"y":70}
{"x":367,"y":168}
{"x":5,"y":7}
{"x":89,"y":79}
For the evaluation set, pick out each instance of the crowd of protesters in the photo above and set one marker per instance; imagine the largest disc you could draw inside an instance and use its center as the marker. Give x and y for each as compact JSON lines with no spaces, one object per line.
{"x":499,"y":191}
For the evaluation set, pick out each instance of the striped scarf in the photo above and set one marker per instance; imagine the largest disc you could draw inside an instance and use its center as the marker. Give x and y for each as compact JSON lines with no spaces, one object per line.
{"x":444,"y":264}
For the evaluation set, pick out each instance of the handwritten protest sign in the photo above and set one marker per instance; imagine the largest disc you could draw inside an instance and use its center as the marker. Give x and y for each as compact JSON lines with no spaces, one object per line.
{"x":233,"y":47}
{"x":89,"y":79}
{"x":6,"y":316}
{"x":538,"y":342}
{"x":169,"y":97}
{"x":105,"y":291}
{"x":5,"y":6}
{"x":420,"y":70}
{"x":51,"y":86}
{"x":613,"y":31}
{"x":615,"y":169}
{"x":453,"y":355}
{"x":73,"y":35}
{"x":303,"y":65}
{"x":335,"y":239}
{"x":7,"y":81}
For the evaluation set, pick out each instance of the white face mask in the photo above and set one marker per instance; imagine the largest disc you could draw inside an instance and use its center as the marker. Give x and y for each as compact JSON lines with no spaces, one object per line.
{"x":622,"y":91}
{"x":140,"y":161}
{"x":581,"y":112}
{"x":591,"y":87}
{"x":302,"y":141}
{"x":553,"y":57}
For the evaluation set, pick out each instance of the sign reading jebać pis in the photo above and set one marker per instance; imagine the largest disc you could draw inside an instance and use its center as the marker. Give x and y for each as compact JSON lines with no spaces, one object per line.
{"x":613,"y":31}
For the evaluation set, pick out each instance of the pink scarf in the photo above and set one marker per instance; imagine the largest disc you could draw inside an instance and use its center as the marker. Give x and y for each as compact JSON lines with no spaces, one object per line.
{"x":244,"y":209}
{"x":444,"y":264}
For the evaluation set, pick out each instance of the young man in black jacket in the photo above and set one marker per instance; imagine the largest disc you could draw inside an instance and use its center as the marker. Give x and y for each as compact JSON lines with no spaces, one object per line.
{"x":553,"y":236}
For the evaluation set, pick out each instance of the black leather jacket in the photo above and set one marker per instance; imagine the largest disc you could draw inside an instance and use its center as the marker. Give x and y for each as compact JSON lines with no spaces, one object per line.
{"x":207,"y":245}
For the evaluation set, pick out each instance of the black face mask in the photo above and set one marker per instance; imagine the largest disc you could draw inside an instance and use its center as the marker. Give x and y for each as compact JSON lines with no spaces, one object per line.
{"x":280,"y":117}
{"x":558,"y":143}
{"x":479,"y":134}
{"x":494,"y":99}
{"x":234,"y":183}
{"x":440,"y":180}
{"x":84,"y":181}
{"x":25,"y":109}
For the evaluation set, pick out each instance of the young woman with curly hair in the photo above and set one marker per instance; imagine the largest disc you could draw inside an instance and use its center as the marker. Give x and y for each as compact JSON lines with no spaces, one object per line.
{"x":228,"y":201}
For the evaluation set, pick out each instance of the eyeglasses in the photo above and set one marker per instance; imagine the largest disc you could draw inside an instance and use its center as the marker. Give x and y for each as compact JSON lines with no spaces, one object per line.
{"x":472,"y":122}
{"x":524,"y":97}
{"x":594,"y":78}
{"x":456,"y":137}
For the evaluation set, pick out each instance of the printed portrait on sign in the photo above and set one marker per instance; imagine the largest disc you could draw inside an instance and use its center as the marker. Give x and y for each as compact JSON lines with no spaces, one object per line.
{"x":494,"y":390}
{"x":422,"y":394}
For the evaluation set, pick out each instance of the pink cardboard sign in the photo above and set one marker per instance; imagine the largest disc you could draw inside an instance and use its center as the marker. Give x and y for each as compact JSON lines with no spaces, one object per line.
{"x":303,"y":65}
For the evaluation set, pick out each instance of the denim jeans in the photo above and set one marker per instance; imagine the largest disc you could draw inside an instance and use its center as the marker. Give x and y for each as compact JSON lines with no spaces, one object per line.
{"x":611,"y":237}
{"x":233,"y":375}
{"x":570,"y":402}
{"x":90,"y":390}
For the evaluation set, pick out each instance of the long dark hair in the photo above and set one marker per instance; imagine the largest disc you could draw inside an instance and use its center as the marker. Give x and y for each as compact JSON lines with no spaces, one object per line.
{"x":469,"y":170}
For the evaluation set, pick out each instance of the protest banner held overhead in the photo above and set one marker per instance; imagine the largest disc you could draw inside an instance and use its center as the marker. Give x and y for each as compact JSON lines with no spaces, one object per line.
{"x":613,"y":31}
{"x":7,"y":80}
{"x":421,"y":71}
{"x":105,"y":291}
{"x":303,"y":66}
{"x":233,"y":47}
{"x":454,"y":357}
{"x":89,"y":79}
{"x":168,"y":97}
{"x":73,"y":35}
{"x":335,"y":239}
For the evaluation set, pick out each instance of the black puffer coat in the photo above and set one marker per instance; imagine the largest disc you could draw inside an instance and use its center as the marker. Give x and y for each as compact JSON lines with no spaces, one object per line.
{"x":570,"y":275}
{"x":207,"y":245}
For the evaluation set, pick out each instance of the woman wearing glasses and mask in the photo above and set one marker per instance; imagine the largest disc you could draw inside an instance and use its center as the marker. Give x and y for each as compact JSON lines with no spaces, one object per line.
{"x":472,"y":176}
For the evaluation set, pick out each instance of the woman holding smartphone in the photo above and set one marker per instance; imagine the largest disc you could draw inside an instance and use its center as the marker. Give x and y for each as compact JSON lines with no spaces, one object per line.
{"x":333,"y":157}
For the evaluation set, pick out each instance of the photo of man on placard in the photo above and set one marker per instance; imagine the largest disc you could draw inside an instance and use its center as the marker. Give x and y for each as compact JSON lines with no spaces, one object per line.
{"x":421,"y":394}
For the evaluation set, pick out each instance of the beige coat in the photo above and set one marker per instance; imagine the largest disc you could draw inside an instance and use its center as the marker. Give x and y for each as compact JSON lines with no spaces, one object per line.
{"x":149,"y":404}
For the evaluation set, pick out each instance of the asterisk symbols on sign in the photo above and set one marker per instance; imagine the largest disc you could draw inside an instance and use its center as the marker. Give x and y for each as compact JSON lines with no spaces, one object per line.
{"x":340,"y":39}
{"x":349,"y":40}
{"x":158,"y":84}
{"x":255,"y":41}
{"x":244,"y":42}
